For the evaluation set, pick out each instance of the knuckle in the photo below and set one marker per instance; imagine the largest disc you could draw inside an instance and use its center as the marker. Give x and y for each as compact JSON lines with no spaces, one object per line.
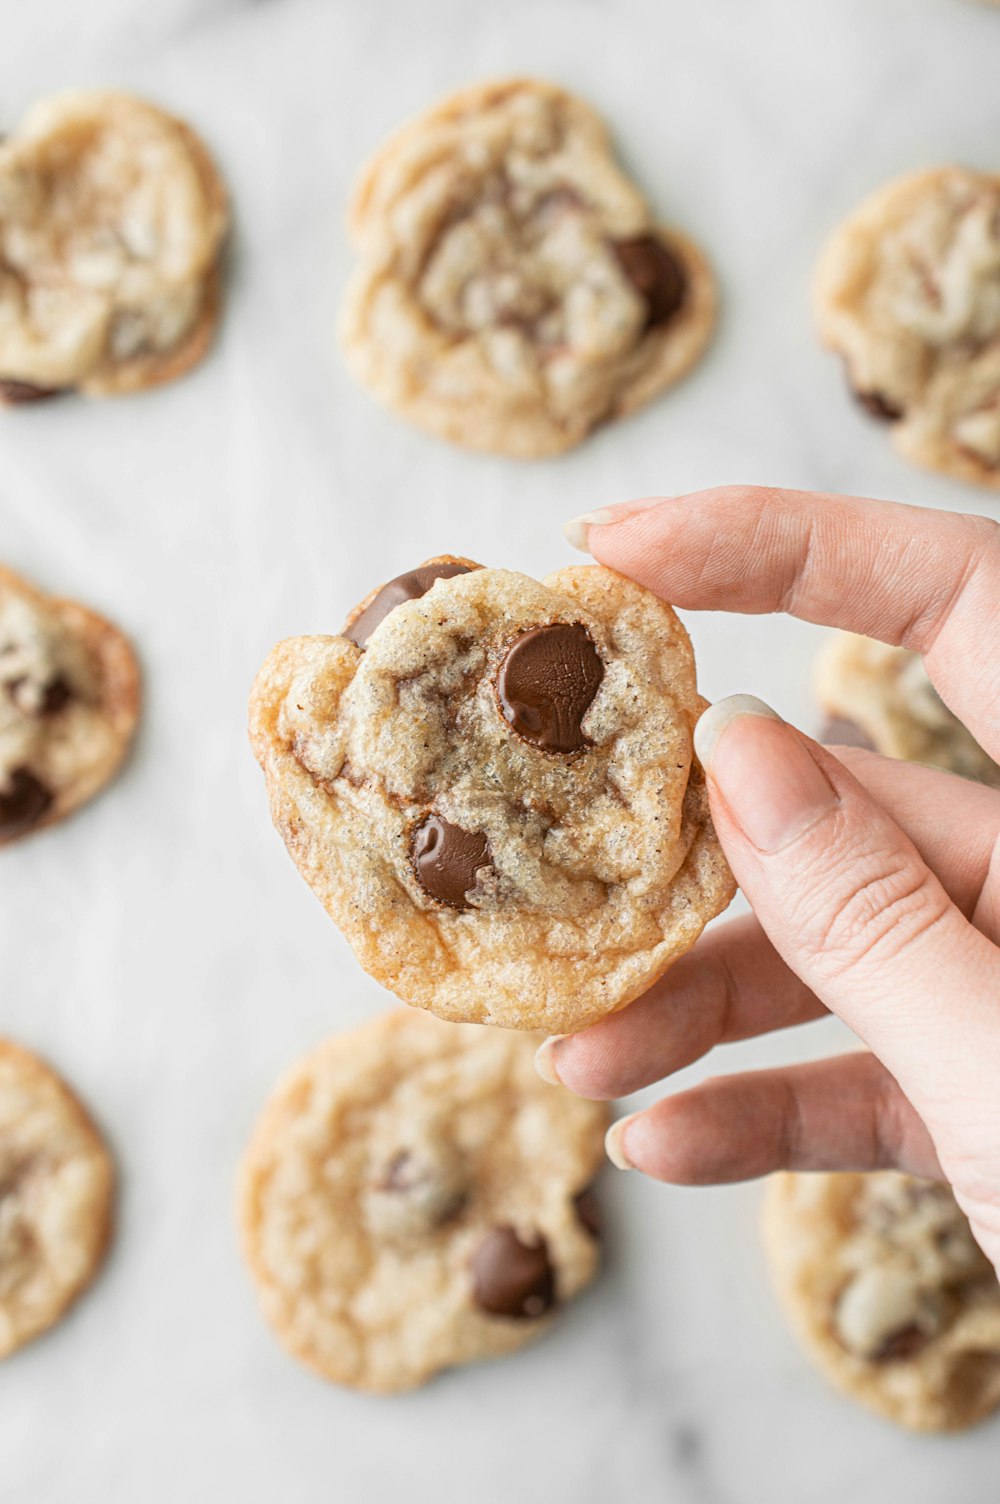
{"x":981,"y":546}
{"x":871,"y":917}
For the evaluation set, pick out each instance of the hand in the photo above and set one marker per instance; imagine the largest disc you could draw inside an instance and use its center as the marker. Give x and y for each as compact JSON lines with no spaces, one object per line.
{"x":875,"y":885}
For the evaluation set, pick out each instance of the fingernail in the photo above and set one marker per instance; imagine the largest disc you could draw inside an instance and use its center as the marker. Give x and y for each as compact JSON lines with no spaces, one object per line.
{"x":545,"y":1060}
{"x":764,"y":770}
{"x":614,"y":1143}
{"x":577,"y":528}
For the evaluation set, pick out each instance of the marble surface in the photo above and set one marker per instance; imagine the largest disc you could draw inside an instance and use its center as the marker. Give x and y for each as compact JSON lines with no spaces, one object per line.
{"x":161,"y":949}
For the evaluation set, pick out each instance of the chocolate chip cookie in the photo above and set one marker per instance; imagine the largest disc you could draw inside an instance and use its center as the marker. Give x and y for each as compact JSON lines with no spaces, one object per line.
{"x":490,"y":783}
{"x":56,"y":1189}
{"x":880,"y":697}
{"x":886,"y":1287}
{"x":112,"y":218}
{"x":513,"y":288}
{"x":414,"y":1197}
{"x":908,"y":293}
{"x":69,"y":703}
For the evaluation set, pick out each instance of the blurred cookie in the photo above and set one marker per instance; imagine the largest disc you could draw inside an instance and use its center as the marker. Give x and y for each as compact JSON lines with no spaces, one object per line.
{"x":513,"y":289}
{"x":415,"y":1197}
{"x":112,"y":217}
{"x":880,"y":697}
{"x":908,"y":293}
{"x":885,"y":1285}
{"x":69,"y":702}
{"x":490,"y":783}
{"x":56,"y":1189}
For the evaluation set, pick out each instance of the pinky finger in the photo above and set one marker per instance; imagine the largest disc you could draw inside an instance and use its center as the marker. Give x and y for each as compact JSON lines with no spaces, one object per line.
{"x":845,"y":1113}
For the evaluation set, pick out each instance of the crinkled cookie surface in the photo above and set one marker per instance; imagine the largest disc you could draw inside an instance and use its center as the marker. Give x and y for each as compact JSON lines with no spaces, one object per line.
{"x":884,"y":1283}
{"x":112,"y":218}
{"x":415,"y":1197}
{"x":513,"y":290}
{"x":908,"y":292}
{"x":69,"y":704}
{"x":56,"y":1189}
{"x":879,"y":696}
{"x":496,"y":796}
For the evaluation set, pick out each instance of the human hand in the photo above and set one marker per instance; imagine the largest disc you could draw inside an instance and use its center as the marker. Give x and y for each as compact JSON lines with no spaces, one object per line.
{"x":875,"y":885}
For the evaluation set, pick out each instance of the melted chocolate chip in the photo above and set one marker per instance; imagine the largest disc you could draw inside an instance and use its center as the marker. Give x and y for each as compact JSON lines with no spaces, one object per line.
{"x":905,"y":1343}
{"x":446,"y":859}
{"x":656,"y":274}
{"x":547,"y":683}
{"x":511,"y":1278}
{"x":588,"y":1210}
{"x":844,"y":733}
{"x":405,"y":587}
{"x":23,"y":802}
{"x":878,"y":406}
{"x":17,"y":393}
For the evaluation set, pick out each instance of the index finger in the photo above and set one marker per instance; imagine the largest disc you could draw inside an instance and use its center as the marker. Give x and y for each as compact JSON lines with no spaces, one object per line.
{"x":927,"y":580}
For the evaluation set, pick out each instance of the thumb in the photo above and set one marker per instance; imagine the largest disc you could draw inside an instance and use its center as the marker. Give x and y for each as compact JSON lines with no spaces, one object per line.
{"x":851,"y":906}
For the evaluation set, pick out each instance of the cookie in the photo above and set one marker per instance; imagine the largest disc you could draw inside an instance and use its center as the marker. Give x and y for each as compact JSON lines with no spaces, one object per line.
{"x":69,"y":703}
{"x":880,"y":697}
{"x":112,"y":220}
{"x":490,"y":783}
{"x":908,"y":293}
{"x":56,"y":1191}
{"x":415,"y":1197}
{"x":884,"y":1284}
{"x":513,"y":289}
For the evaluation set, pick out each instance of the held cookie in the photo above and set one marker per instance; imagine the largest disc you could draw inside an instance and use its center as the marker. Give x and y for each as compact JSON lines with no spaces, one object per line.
{"x":112,"y":218}
{"x":69,"y":703}
{"x":884,"y":1284}
{"x":490,"y":784}
{"x":514,"y":290}
{"x":908,"y":293}
{"x":414,"y":1197}
{"x":880,"y":697}
{"x":56,"y":1191}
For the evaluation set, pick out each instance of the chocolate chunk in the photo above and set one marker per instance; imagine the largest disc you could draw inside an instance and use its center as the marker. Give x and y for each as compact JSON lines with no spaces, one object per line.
{"x":398,"y":1173}
{"x":511,"y":1278}
{"x":878,"y":406}
{"x":904,"y":1343}
{"x":17,"y":393}
{"x":55,"y":696}
{"x":844,"y":733}
{"x":435,"y":1189}
{"x":446,"y":859}
{"x":588,"y":1210}
{"x":23,"y":802}
{"x":405,"y":587}
{"x":547,"y":683}
{"x":58,"y":694}
{"x":556,"y":202}
{"x":656,"y":274}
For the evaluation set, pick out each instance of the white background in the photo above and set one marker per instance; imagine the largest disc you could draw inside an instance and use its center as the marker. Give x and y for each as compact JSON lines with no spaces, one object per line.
{"x":160,"y":947}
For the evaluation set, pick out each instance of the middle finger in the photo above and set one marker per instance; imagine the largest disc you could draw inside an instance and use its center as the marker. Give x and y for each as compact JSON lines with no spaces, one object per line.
{"x":732,"y":986}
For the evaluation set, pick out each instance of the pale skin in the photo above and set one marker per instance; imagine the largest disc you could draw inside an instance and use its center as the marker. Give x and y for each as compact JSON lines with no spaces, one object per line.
{"x":874,"y":885}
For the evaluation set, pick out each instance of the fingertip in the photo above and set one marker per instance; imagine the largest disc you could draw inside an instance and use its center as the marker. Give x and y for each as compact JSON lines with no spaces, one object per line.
{"x":716,"y":719}
{"x":545,"y":1060}
{"x":614,"y":1143}
{"x":577,"y":529}
{"x":587,"y":1063}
